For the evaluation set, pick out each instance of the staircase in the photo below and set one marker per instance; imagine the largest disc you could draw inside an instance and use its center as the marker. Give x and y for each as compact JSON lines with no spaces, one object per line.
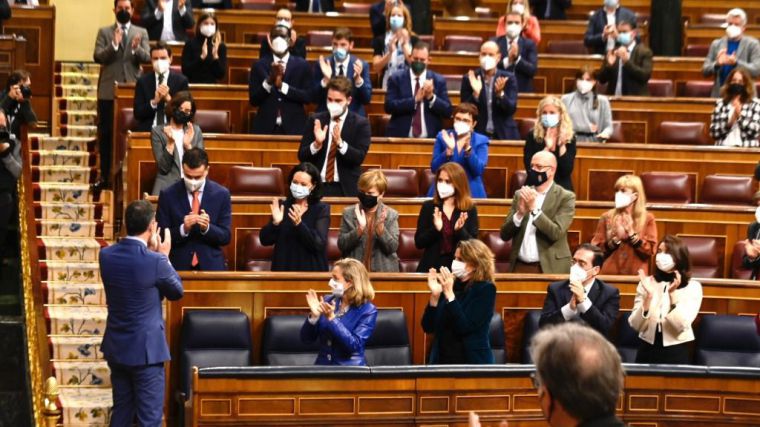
{"x":70,"y":229}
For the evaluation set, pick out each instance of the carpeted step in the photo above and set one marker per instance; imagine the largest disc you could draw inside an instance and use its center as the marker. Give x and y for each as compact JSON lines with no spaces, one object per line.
{"x":68,"y":144}
{"x":77,"y":67}
{"x":86,"y":406}
{"x":71,"y":272}
{"x":78,"y":104}
{"x":88,"y":131}
{"x":63,"y":158}
{"x":68,"y":211}
{"x":82,"y":320}
{"x":80,"y":91}
{"x":94,"y":373}
{"x":76,"y":79}
{"x":69,"y":228}
{"x":64,"y":174}
{"x":69,"y":249}
{"x":78,"y":118}
{"x":64,"y":192}
{"x":73,"y":293}
{"x":75,"y":348}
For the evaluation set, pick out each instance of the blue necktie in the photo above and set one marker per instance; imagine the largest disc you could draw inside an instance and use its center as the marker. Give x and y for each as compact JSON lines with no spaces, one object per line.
{"x":315,"y":5}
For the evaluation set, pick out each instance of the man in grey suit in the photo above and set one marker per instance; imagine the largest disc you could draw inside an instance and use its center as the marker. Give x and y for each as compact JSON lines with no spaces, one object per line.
{"x":119,"y":49}
{"x":735,"y":49}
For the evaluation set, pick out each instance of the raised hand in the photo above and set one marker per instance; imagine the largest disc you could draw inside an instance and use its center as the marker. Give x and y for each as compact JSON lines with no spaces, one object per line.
{"x":361,"y":219}
{"x":295,"y":213}
{"x":165,"y":246}
{"x":448,"y":139}
{"x":437,"y":219}
{"x":358,"y":68}
{"x":751,"y":250}
{"x":530,"y":197}
{"x":204,"y":49}
{"x":118,"y":36}
{"x":675,"y":284}
{"x":611,"y":57}
{"x":312,"y":300}
{"x":619,"y":228}
{"x":320,"y":134}
{"x":278,"y":211}
{"x":475,"y":82}
{"x":578,"y":293}
{"x":500,"y":84}
{"x":522,"y":206}
{"x":181,"y":4}
{"x":187,"y":137}
{"x":380,"y":223}
{"x":160,"y":5}
{"x":513,"y":52}
{"x":217,"y":42}
{"x":428,"y":88}
{"x":136,"y":41}
{"x":189,"y":221}
{"x":649,"y":285}
{"x":460,"y":221}
{"x":434,"y":285}
{"x":204,"y":220}
{"x":446,"y":279}
{"x":336,"y":135}
{"x":722,"y":58}
{"x":328,"y":308}
{"x":550,"y":138}
{"x":324,"y":65}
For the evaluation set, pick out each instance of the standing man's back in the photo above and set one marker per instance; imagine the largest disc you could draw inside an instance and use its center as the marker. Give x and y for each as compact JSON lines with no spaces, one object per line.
{"x":137,"y":276}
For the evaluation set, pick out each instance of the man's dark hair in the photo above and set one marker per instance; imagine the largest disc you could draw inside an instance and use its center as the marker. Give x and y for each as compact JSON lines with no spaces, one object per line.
{"x":340,"y":84}
{"x":467,"y":108}
{"x":116,"y":2}
{"x":420,"y":45}
{"x":343,"y":33}
{"x":138,"y":217}
{"x":161,"y":45}
{"x":276,"y":31}
{"x":629,"y":22}
{"x":17,"y":77}
{"x":598,"y":253}
{"x":195,"y":158}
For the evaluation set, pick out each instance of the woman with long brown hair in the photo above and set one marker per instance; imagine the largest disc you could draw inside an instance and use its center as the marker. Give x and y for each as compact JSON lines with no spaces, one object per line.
{"x":627,"y":233}
{"x":447,"y":219}
{"x":553,"y":133}
{"x":734,"y":121}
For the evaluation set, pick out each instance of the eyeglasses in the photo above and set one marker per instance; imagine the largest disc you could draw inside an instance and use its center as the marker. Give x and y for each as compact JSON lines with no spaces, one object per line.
{"x":535,"y":381}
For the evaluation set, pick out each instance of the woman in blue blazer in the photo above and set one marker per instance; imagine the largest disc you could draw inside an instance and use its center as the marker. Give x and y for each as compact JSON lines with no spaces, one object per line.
{"x":342,"y":322}
{"x":461,"y":306}
{"x":464,"y":146}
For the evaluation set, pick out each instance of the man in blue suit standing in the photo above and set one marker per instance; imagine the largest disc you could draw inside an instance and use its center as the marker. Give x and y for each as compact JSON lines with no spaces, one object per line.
{"x":519,"y":54}
{"x":136,"y":276}
{"x":342,"y":64}
{"x":417,"y":98}
{"x":601,"y":32}
{"x":198,"y":213}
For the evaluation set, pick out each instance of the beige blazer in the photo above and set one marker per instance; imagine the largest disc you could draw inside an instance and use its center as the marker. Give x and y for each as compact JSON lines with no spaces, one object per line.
{"x":676,"y":323}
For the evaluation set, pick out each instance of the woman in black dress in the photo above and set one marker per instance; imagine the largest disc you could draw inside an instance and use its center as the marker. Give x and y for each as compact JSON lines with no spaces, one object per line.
{"x":204,"y":58}
{"x":553,"y":133}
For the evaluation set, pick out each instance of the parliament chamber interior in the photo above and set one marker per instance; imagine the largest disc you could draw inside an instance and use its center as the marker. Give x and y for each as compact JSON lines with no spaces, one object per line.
{"x":235,"y":337}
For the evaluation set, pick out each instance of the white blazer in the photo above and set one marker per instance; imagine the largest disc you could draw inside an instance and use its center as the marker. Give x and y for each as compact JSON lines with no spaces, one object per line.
{"x":675,"y":324}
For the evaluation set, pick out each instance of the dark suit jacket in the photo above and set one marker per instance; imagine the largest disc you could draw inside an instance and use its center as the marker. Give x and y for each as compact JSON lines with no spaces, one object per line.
{"x":5,"y":12}
{"x":180,"y":23}
{"x":461,"y":326}
{"x":538,"y":8}
{"x":324,"y":5}
{"x":136,"y":280}
{"x":593,"y":38}
{"x":603,"y":421}
{"x":342,"y":341}
{"x":17,"y":113}
{"x":356,"y":133}
{"x":301,"y":247}
{"x":360,"y":96}
{"x":636,"y":73}
{"x":605,"y":304}
{"x":298,"y":49}
{"x":503,"y":107}
{"x":201,"y":4}
{"x":525,"y":67}
{"x":753,"y":233}
{"x":145,"y":89}
{"x":209,"y":70}
{"x":429,"y":239}
{"x":399,"y":103}
{"x":291,"y":106}
{"x":174,"y":204}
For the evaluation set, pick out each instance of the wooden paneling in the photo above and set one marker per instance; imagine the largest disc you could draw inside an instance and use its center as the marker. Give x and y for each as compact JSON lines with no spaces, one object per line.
{"x":37,"y":25}
{"x":12,"y":55}
{"x":704,"y":34}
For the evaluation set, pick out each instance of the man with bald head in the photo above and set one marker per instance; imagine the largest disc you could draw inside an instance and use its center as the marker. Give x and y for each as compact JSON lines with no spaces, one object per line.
{"x":494,"y":91}
{"x":538,"y":221}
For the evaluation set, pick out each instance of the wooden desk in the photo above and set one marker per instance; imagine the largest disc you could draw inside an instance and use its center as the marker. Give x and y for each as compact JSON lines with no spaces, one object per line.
{"x":37,"y":26}
{"x":705,"y":34}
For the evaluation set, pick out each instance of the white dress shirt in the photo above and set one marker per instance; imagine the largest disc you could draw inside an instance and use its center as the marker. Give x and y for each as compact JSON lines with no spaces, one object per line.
{"x":619,"y":83}
{"x":178,"y":135}
{"x":190,"y":199}
{"x":154,"y":105}
{"x":580,"y":308}
{"x":423,"y":78}
{"x":611,"y":20}
{"x":342,"y":148}
{"x":284,"y":88}
{"x":507,"y":63}
{"x":167,"y":33}
{"x":124,"y":39}
{"x":529,"y":248}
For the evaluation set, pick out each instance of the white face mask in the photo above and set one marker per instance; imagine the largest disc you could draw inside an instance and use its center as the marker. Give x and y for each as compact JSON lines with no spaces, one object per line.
{"x":757,"y":214}
{"x":335,"y":109}
{"x":337,"y":288}
{"x":193,"y":185}
{"x":283,"y":22}
{"x":513,"y":30}
{"x":459,"y":269}
{"x":577,"y":273}
{"x":733,"y":31}
{"x":487,"y":63}
{"x":461,"y":128}
{"x":161,"y":66}
{"x":208,"y":30}
{"x":299,"y":191}
{"x":279,"y":46}
{"x":584,"y":86}
{"x":445,"y":190}
{"x":623,"y":199}
{"x":664,"y":262}
{"x":518,"y":8}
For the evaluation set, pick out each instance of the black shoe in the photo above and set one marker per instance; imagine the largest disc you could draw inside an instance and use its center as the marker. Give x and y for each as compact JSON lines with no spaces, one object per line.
{"x":101,"y":185}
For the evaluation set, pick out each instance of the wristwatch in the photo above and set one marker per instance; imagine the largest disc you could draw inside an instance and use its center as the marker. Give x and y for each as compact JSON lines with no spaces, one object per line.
{"x":535,"y":212}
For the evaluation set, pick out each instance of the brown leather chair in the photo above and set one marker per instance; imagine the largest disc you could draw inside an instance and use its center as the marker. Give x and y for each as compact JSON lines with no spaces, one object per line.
{"x":697,"y":89}
{"x":567,"y":47}
{"x":401,"y":182}
{"x":668,"y":187}
{"x":357,"y":8}
{"x":682,"y":133}
{"x":125,"y":121}
{"x":516,"y":181}
{"x":484,"y":12}
{"x":427,"y":178}
{"x":457,"y":43}
{"x":251,"y":181}
{"x":524,"y":126}
{"x":319,"y":38}
{"x":617,"y":132}
{"x":213,"y":121}
{"x":379,"y":123}
{"x":661,"y":88}
{"x":696,"y":50}
{"x":333,"y":252}
{"x":257,"y":4}
{"x":716,"y":19}
{"x":408,"y":254}
{"x":500,"y":249}
{"x":737,"y":263}
{"x":453,"y":82}
{"x":728,"y":190}
{"x":704,"y":256}
{"x":256,"y":257}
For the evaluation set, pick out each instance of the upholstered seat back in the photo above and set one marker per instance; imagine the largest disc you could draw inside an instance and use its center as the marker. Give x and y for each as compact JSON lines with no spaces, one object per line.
{"x":698,"y":88}
{"x":737,"y":262}
{"x":500,"y":249}
{"x":256,"y":257}
{"x":281,"y":343}
{"x":457,"y":43}
{"x":401,"y":182}
{"x":567,"y":47}
{"x":213,"y":121}
{"x":530,"y":327}
{"x":728,"y":190}
{"x":427,"y":178}
{"x":389,"y":343}
{"x":727,"y":340}
{"x":251,"y":181}
{"x":704,"y":256}
{"x":682,"y":133}
{"x":668,"y":187}
{"x":408,"y":254}
{"x":497,"y":341}
{"x":661,"y":88}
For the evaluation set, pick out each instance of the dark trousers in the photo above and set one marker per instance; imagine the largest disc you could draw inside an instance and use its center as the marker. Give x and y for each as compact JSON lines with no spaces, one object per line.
{"x":655,"y":353}
{"x":7,"y":209}
{"x":137,"y":390}
{"x":332,"y":189}
{"x":105,"y":137}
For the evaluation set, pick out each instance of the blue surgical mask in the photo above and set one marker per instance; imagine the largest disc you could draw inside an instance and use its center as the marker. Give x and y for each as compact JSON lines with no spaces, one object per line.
{"x":299,"y":191}
{"x":549,"y":120}
{"x":624,"y":39}
{"x":396,"y":22}
{"x":340,"y":54}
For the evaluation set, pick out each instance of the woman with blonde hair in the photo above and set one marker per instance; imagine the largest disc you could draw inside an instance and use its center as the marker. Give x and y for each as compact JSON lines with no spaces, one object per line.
{"x":553,"y":133}
{"x":392,"y":50}
{"x":447,"y":219}
{"x":343,"y":321}
{"x":531,"y":30}
{"x":734,"y":121}
{"x":627,"y":233}
{"x":369,"y":229}
{"x":461,"y":306}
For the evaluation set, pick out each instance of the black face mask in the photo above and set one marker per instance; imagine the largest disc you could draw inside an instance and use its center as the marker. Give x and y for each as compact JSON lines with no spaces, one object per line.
{"x":736,"y":89}
{"x":367,"y":201}
{"x":180,"y":117}
{"x":535,"y":178}
{"x":661,"y":276}
{"x":26,"y":92}
{"x":122,"y":16}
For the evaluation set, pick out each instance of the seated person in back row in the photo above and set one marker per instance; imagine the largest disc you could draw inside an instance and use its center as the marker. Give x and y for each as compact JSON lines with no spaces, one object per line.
{"x":284,"y":17}
{"x":627,"y":68}
{"x":154,"y":91}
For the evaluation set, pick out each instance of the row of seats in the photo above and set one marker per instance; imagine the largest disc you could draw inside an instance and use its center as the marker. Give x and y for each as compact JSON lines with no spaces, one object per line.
{"x":223,"y":338}
{"x":704,"y":251}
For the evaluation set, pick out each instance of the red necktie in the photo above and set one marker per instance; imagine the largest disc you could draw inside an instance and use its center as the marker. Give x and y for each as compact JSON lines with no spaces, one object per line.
{"x":330,"y":170}
{"x":417,"y":119}
{"x":196,"y":210}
